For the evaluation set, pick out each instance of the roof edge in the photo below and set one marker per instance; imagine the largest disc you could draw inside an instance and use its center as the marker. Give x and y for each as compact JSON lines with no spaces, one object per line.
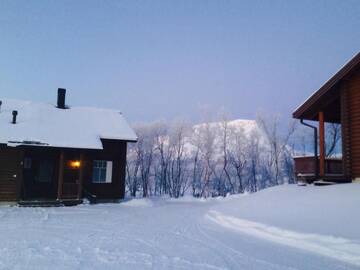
{"x":343,"y":72}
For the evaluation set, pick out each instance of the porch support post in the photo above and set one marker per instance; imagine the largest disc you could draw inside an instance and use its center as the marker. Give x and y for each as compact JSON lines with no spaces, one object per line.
{"x":61,"y":175}
{"x":322,"y":143}
{"x":81,"y":175}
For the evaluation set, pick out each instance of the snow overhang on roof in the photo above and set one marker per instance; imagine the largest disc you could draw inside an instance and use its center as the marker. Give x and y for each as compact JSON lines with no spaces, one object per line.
{"x":327,"y":92}
{"x":42,"y":124}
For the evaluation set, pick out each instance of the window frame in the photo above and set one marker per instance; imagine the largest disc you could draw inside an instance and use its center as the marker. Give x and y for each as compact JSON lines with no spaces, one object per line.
{"x":105,"y":171}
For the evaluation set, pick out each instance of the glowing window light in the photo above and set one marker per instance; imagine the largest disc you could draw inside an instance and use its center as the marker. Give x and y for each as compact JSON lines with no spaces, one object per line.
{"x":74,"y":164}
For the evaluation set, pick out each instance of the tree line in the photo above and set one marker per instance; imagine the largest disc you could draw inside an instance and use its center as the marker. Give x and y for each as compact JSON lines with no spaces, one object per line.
{"x":214,"y":158}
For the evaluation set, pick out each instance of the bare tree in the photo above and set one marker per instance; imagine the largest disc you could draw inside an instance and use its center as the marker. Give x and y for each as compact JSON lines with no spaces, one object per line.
{"x":277,"y":143}
{"x":253,"y":157}
{"x":178,"y":175}
{"x":237,"y":155}
{"x":197,"y":164}
{"x":333,"y":132}
{"x":132,"y":169}
{"x":163,"y":157}
{"x":207,"y":152}
{"x":224,"y":144}
{"x":145,"y":152}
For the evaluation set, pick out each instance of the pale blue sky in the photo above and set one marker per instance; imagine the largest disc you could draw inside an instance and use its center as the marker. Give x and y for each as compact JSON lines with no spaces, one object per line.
{"x":167,"y":59}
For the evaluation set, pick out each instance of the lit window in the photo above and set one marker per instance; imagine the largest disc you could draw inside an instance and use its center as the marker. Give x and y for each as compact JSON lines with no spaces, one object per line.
{"x":102,"y":171}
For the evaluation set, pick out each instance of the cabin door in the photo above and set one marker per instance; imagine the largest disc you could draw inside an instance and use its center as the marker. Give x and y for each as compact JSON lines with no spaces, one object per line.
{"x":71,"y":176}
{"x":10,"y":174}
{"x":71,"y":184}
{"x":39,"y":175}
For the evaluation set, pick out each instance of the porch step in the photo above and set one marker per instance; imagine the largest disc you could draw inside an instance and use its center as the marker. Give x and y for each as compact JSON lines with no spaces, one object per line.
{"x":40,"y":203}
{"x":323,"y":183}
{"x":48,"y":203}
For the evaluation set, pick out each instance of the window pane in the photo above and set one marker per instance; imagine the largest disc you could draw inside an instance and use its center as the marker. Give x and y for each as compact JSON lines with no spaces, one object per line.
{"x":95,"y":177}
{"x":103,"y":175}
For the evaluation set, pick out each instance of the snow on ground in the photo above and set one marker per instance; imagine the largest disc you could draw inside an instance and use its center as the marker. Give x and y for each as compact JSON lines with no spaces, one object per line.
{"x":286,"y":227}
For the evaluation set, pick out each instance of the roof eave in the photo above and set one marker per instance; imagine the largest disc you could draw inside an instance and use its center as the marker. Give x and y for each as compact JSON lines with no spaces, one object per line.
{"x":344,"y":71}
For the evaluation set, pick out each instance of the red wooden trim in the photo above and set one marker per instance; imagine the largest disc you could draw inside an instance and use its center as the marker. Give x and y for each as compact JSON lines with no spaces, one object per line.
{"x":322,"y":143}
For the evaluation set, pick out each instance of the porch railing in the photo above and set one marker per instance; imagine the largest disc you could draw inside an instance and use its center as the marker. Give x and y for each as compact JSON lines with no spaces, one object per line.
{"x":305,"y":166}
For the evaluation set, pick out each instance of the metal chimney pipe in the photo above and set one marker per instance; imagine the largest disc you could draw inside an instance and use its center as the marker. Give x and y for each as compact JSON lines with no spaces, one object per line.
{"x":61,"y":98}
{"x":14,"y":114}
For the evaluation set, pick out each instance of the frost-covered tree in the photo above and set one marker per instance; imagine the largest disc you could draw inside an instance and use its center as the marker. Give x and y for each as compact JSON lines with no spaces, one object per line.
{"x":238,"y":157}
{"x":178,"y":170}
{"x":276,"y":144}
{"x":210,"y":159}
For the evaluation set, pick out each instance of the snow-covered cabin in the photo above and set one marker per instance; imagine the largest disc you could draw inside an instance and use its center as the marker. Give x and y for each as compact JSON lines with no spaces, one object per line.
{"x":337,"y":101}
{"x":58,"y":153}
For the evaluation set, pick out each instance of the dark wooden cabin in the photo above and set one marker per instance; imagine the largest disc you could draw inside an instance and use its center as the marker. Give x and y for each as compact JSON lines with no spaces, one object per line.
{"x":337,"y":101}
{"x":56,"y":153}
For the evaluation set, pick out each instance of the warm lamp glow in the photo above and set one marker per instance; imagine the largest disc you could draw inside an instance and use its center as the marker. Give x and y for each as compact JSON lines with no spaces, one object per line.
{"x":74,"y":164}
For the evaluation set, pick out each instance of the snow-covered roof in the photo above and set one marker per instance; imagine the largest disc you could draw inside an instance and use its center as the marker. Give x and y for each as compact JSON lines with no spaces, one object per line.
{"x":76,"y":127}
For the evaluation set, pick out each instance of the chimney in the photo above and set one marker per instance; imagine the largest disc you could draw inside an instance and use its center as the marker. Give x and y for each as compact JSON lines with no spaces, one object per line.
{"x":61,"y":98}
{"x":14,"y":114}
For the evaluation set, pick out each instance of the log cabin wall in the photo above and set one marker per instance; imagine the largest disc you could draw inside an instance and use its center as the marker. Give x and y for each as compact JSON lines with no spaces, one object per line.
{"x":10,"y":173}
{"x":114,"y":151}
{"x":351,"y":124}
{"x":13,"y":188}
{"x":345,"y":130}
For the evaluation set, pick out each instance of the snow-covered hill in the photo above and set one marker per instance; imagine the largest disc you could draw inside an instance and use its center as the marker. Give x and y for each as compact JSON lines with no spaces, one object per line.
{"x":239,"y":129}
{"x":285,"y":227}
{"x":246,"y":126}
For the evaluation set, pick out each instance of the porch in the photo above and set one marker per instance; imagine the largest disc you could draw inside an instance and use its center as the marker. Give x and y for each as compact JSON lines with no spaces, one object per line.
{"x":51,"y":177}
{"x":337,"y":101}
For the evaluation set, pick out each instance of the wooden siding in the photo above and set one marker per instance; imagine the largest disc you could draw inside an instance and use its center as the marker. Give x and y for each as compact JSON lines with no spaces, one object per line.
{"x":345,"y":130}
{"x":114,"y":151}
{"x":74,"y":182}
{"x":353,"y":109}
{"x":10,"y":173}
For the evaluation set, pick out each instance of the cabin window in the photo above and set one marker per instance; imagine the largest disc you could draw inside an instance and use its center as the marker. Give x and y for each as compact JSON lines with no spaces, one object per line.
{"x":102,"y":171}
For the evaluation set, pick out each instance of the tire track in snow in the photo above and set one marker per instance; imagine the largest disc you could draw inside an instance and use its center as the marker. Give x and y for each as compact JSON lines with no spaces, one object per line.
{"x":334,"y":247}
{"x":237,"y":256}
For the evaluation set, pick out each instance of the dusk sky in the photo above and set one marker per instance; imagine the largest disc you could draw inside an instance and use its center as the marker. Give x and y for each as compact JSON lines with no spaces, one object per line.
{"x":168,"y":59}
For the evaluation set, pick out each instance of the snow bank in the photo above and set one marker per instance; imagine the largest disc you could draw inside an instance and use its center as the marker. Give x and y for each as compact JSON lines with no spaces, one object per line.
{"x":321,"y":220}
{"x":138,"y":203}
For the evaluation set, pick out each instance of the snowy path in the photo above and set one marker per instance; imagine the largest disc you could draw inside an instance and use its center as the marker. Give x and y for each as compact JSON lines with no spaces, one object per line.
{"x":147,"y":234}
{"x":334,"y":247}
